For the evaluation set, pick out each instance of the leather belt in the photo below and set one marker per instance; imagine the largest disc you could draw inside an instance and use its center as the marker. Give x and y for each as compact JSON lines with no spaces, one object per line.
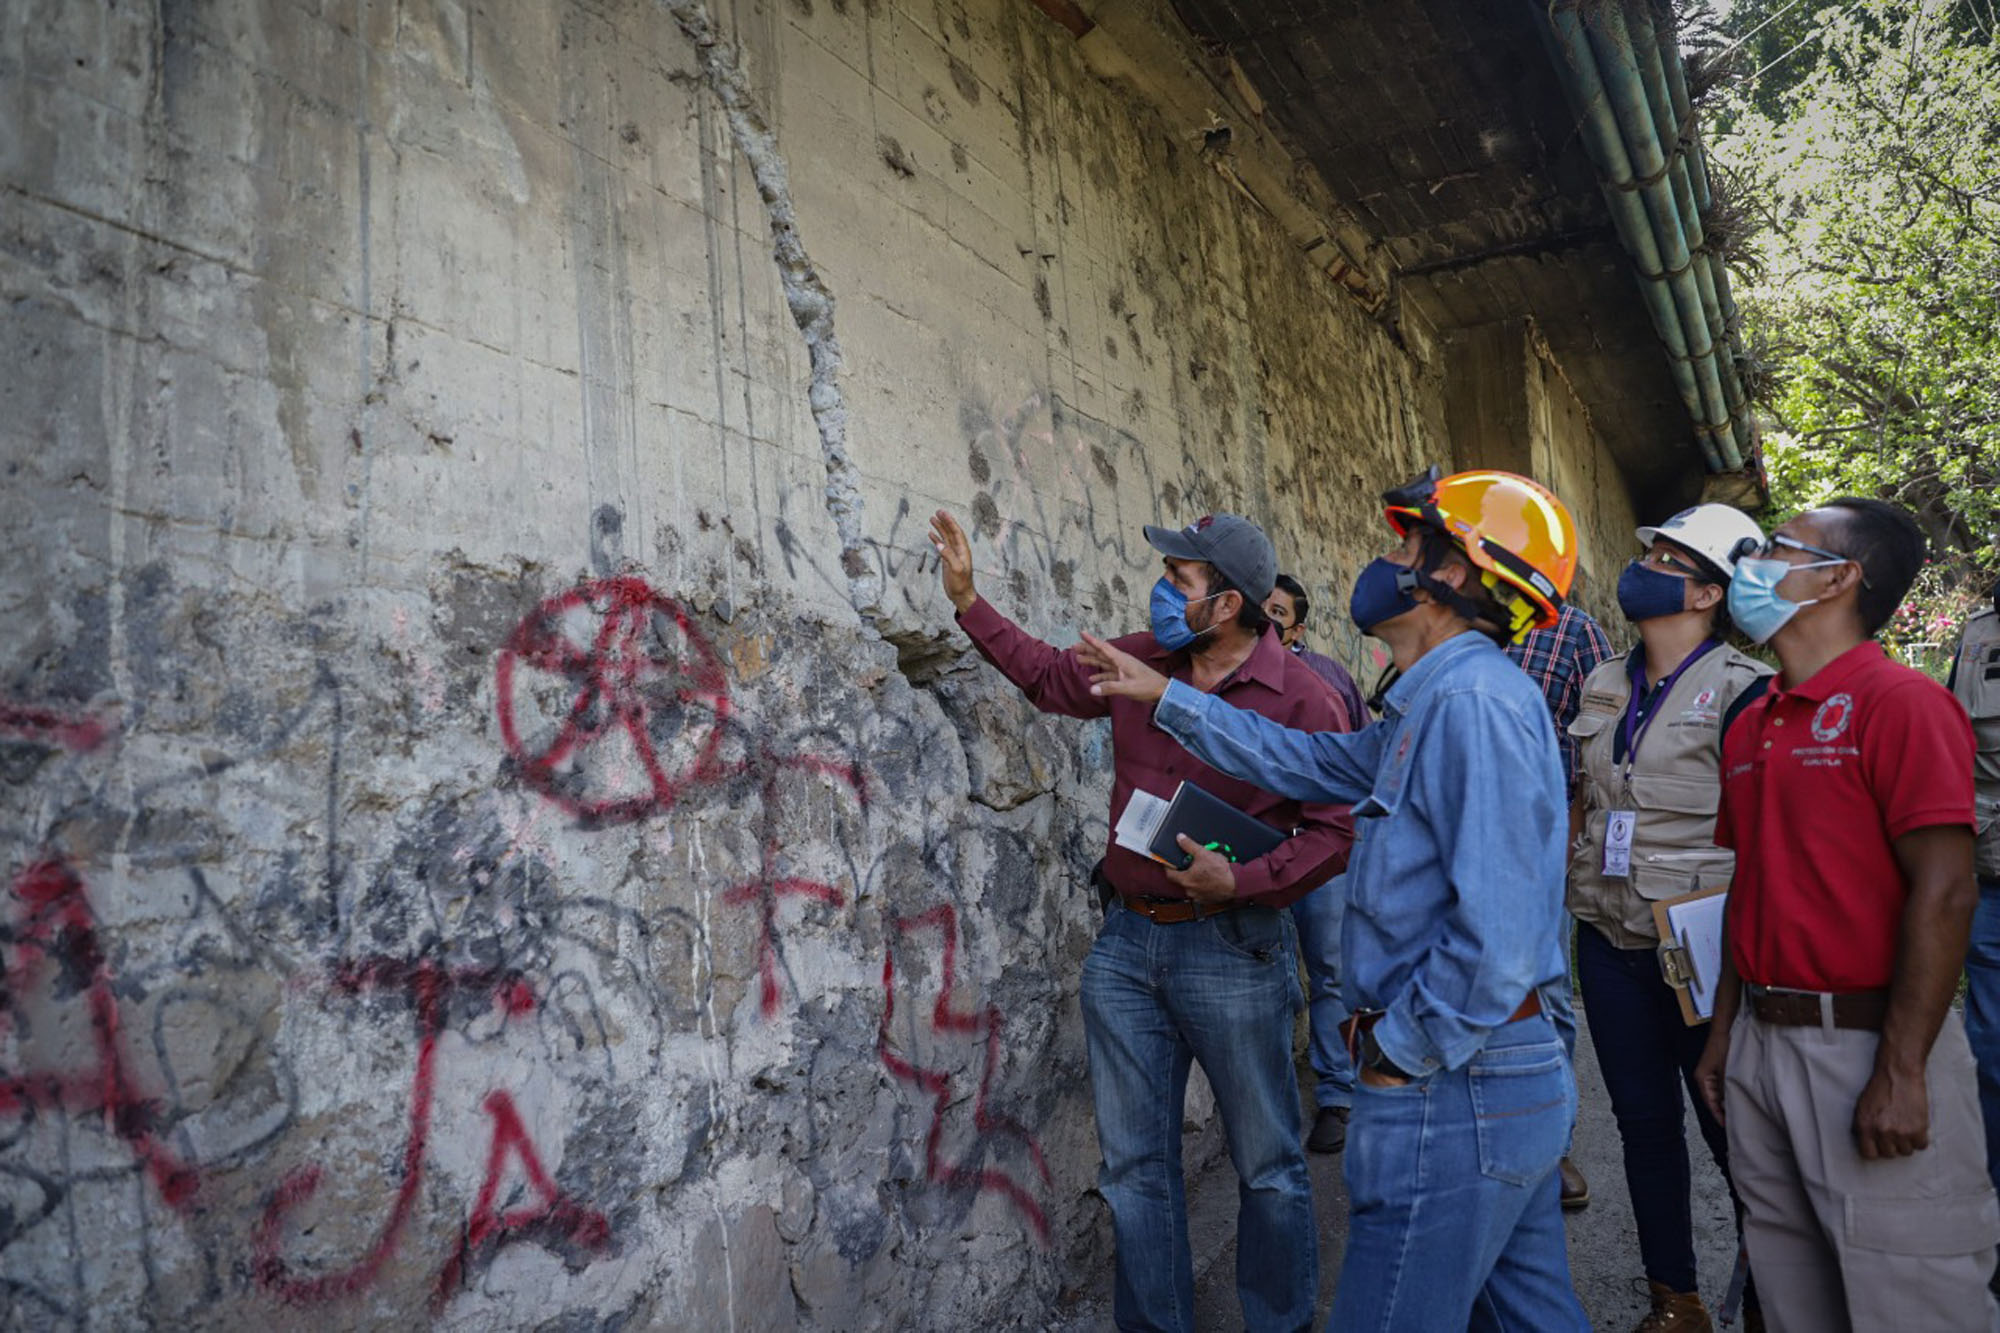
{"x":1355,"y":1024}
{"x":1860,"y":1011}
{"x":1173,"y":911}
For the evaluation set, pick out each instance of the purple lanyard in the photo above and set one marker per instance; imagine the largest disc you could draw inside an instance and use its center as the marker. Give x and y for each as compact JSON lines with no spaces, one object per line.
{"x":1635,"y":725}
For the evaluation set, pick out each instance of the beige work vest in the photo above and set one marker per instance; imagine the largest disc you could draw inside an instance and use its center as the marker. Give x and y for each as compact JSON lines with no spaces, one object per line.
{"x":1976,"y":682}
{"x":1675,"y":786}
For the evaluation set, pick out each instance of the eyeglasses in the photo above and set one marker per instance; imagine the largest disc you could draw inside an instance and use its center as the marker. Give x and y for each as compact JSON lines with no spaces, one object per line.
{"x":1664,"y":562}
{"x":1768,"y":548}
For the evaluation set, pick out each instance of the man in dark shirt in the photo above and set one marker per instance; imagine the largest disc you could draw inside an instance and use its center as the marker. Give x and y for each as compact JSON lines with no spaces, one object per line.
{"x":1287,"y":606}
{"x":1195,"y":964}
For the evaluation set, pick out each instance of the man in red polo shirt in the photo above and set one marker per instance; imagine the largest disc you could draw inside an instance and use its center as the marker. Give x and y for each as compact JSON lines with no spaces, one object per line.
{"x":1836,"y":1060}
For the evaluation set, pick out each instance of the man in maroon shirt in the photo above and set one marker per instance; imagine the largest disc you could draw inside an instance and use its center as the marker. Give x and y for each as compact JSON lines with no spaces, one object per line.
{"x":1195,"y":964}
{"x":1855,"y":1138}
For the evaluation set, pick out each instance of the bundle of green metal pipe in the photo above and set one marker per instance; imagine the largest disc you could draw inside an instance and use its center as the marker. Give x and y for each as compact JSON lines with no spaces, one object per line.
{"x":1623,"y":76}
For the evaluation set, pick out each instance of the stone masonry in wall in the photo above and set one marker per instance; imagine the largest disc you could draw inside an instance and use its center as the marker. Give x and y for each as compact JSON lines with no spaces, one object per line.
{"x":499,"y":827}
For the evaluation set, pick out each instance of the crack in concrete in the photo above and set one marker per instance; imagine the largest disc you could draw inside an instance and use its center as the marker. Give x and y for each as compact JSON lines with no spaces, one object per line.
{"x":806,"y":294}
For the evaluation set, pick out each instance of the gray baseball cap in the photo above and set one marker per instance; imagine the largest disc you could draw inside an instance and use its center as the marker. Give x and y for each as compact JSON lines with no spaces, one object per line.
{"x":1236,"y":546}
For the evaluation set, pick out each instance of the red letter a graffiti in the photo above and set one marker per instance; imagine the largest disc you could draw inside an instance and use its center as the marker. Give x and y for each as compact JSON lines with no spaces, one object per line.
{"x":488,"y":1228}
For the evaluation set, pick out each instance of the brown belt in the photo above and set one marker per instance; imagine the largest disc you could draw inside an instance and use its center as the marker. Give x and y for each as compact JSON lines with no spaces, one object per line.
{"x":1362,"y":1020}
{"x":1861,"y":1010}
{"x":1173,"y":911}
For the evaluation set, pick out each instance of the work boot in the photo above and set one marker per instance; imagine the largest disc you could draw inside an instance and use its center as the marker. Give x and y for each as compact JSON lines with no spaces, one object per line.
{"x":1329,"y":1131}
{"x":1675,"y":1312}
{"x":1575,"y":1189}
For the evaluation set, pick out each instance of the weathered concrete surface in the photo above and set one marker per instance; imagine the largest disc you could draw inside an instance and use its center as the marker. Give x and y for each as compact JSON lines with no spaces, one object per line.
{"x":499,"y":827}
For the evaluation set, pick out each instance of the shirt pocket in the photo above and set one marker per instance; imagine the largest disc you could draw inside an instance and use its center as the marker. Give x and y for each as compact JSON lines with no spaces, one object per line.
{"x":1385,"y":798}
{"x":1586,"y":725}
{"x":1678,"y":853}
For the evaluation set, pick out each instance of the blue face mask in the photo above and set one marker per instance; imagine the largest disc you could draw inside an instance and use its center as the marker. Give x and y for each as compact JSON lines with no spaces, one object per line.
{"x":1169,"y":610}
{"x":1378,"y":594}
{"x":1645,"y":593}
{"x":1755,"y":603}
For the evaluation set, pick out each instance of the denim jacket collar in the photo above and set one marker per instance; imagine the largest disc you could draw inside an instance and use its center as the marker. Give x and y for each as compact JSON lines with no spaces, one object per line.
{"x":1412,"y":682}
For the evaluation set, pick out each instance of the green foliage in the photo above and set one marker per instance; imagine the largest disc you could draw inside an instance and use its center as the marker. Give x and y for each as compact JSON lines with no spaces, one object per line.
{"x":1925,"y":629}
{"x":1876,"y":310}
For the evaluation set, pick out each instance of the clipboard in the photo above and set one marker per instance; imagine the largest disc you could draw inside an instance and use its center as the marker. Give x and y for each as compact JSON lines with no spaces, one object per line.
{"x":1690,"y":929}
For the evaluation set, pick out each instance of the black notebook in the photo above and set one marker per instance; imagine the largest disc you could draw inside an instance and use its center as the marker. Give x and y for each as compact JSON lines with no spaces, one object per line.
{"x":1212,"y":822}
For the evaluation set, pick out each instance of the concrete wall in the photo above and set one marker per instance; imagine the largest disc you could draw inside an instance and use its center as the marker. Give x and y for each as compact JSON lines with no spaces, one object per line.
{"x":1509,"y":405}
{"x":498,"y":823}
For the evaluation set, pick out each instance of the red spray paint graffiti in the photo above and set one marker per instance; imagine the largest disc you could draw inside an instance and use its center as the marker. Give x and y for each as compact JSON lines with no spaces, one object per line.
{"x":54,"y":925}
{"x":430,"y":988}
{"x":50,"y":726}
{"x":627,"y":686}
{"x":938,"y":1082}
{"x":604,"y":638}
{"x":765,"y":891}
{"x":489,"y":1229}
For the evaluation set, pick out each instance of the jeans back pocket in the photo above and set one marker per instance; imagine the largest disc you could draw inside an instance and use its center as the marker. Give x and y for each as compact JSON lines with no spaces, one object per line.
{"x":1521,"y":1104}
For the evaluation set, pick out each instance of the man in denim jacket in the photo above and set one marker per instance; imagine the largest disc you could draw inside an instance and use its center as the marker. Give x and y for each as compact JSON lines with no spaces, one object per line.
{"x":1454,"y":919}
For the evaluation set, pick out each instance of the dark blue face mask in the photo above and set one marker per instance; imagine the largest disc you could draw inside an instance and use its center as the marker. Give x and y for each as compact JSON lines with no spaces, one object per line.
{"x":1645,"y":593}
{"x":1379,"y":594}
{"x":1169,"y":611}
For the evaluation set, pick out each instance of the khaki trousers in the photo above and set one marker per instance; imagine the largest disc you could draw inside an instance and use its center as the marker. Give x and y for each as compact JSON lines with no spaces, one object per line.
{"x":1837,"y":1242}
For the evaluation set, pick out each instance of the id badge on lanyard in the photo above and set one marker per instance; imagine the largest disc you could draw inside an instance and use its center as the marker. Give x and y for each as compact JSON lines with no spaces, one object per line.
{"x":1618,"y":826}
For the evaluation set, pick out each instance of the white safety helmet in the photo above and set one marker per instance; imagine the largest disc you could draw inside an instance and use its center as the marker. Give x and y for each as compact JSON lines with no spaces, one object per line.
{"x":1715,"y":532}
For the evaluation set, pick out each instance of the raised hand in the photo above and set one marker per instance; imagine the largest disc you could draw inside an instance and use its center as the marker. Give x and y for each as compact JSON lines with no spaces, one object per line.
{"x":954,"y":560}
{"x":1119,"y":674}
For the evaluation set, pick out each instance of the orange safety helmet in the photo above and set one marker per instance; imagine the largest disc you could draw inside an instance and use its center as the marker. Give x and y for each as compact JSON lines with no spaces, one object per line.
{"x":1519,"y":536}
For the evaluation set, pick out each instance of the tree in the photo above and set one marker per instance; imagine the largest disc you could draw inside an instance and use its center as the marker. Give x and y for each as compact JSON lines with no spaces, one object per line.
{"x":1876,"y":312}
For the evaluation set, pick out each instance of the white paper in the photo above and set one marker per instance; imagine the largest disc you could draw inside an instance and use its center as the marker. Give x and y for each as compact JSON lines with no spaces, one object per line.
{"x":1140,"y":822}
{"x":1697,"y":928}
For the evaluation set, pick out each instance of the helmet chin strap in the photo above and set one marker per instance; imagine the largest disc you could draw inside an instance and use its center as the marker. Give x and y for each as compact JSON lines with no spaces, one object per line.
{"x":1520,"y":611}
{"x":1410,"y":580}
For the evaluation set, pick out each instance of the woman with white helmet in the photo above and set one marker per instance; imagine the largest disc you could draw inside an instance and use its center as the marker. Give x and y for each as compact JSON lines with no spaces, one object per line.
{"x":1649,"y":732}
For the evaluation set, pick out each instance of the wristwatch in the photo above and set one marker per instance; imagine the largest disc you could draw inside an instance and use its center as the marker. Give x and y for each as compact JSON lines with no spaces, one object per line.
{"x":1372,"y":1057}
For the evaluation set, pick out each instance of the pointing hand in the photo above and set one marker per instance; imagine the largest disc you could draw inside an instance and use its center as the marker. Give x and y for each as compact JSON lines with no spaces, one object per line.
{"x":1119,"y":674}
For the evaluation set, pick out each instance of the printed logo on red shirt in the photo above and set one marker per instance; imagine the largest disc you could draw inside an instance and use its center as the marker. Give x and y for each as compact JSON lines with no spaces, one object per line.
{"x":1832,"y":718}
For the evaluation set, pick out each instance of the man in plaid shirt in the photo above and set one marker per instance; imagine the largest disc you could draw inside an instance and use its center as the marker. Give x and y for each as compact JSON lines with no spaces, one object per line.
{"x":1558,"y":658}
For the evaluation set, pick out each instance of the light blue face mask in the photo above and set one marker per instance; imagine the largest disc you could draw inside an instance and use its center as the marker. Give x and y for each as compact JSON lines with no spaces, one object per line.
{"x":1755,"y":603}
{"x":1169,"y":611}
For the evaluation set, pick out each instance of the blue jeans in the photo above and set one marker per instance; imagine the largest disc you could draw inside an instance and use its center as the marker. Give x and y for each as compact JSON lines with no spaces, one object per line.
{"x":1222,"y":991}
{"x":1647,"y":1055}
{"x":1456,"y":1216}
{"x":1982,"y":1014}
{"x":1317,"y":917}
